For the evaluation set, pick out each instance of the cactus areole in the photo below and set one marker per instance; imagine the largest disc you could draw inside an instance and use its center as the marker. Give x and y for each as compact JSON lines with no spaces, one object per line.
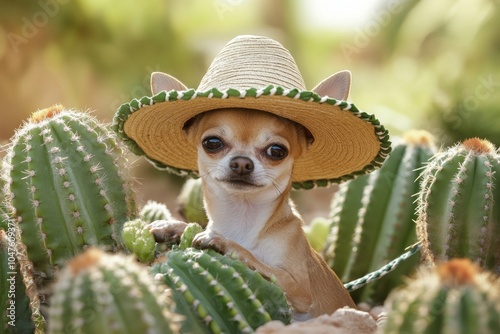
{"x":459,"y":211}
{"x":65,"y":187}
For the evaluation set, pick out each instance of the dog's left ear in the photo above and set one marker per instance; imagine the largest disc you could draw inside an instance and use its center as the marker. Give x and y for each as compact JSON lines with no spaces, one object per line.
{"x":337,"y":85}
{"x":162,"y":81}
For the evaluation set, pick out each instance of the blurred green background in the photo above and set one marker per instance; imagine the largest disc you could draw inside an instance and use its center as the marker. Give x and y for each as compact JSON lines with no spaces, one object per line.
{"x":415,"y":64}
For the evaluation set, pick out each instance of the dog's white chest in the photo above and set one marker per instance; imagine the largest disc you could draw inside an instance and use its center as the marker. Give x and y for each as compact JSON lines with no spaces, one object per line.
{"x":243,"y":224}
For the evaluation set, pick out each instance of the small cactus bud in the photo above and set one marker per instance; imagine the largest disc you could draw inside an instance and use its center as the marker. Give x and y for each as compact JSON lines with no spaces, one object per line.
{"x":139,"y":240}
{"x":153,"y":211}
{"x":191,"y":202}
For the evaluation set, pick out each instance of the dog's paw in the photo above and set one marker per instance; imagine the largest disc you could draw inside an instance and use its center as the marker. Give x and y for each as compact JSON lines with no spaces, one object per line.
{"x":210,"y":240}
{"x":167,"y":231}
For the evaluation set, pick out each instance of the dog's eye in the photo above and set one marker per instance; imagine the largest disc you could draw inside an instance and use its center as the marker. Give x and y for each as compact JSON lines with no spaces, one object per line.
{"x":276,"y":152}
{"x":212,"y":144}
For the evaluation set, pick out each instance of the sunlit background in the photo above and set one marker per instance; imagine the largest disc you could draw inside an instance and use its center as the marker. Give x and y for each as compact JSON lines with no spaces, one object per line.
{"x":423,"y":64}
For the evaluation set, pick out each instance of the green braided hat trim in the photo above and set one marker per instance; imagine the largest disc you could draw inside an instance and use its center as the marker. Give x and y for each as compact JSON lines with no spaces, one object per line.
{"x":126,"y":109}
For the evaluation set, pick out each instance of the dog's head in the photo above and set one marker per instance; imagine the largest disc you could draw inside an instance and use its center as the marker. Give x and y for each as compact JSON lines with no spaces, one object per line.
{"x":245,"y":151}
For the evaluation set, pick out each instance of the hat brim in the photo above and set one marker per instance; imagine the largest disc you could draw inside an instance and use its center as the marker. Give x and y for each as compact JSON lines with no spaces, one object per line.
{"x":347,"y":142}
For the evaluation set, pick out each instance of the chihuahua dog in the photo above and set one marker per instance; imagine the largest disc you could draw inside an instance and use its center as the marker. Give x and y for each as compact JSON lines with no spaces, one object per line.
{"x":245,"y":161}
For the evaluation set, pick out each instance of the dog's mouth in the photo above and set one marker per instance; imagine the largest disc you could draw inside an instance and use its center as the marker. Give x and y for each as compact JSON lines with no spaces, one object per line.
{"x":241,"y":183}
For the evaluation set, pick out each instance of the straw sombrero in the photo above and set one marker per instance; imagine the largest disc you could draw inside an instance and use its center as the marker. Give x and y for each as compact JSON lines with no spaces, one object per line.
{"x":254,"y":72}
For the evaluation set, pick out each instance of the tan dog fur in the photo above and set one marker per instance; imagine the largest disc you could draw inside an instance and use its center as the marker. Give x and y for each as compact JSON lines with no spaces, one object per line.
{"x":254,"y":219}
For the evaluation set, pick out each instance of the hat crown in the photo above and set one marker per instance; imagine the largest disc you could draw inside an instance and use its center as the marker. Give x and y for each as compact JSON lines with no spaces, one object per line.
{"x":252,"y":62}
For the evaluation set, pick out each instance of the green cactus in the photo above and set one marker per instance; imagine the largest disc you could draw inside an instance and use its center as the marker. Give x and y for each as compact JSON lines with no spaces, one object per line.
{"x":18,"y":312}
{"x":154,"y":211}
{"x":454,"y":298}
{"x":372,"y":219}
{"x":191,"y":202}
{"x":65,"y":187}
{"x":188,"y":235}
{"x":217,"y":294}
{"x":459,"y":214}
{"x":103,"y":293}
{"x":139,"y":240}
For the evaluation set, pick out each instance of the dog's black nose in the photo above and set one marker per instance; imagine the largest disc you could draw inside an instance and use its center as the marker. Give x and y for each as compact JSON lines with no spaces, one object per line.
{"x":241,"y":165}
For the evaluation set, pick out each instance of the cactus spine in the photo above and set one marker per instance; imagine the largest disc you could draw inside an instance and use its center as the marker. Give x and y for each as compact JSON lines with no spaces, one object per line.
{"x":455,"y":298}
{"x":102,"y":293}
{"x":459,"y":214}
{"x":220,"y":294}
{"x":372,"y":218}
{"x":65,"y":187}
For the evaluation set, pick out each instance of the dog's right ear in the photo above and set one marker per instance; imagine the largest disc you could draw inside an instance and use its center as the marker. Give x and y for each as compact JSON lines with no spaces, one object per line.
{"x":162,"y":81}
{"x":337,"y":85}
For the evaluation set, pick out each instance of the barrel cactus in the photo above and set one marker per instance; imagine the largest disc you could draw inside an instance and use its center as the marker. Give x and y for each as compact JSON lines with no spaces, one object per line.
{"x":459,"y":211}
{"x":212,"y":292}
{"x":452,"y":298}
{"x":65,"y":187}
{"x":372,"y":218}
{"x":109,"y":293}
{"x":154,"y":211}
{"x":217,"y":294}
{"x":191,"y":202}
